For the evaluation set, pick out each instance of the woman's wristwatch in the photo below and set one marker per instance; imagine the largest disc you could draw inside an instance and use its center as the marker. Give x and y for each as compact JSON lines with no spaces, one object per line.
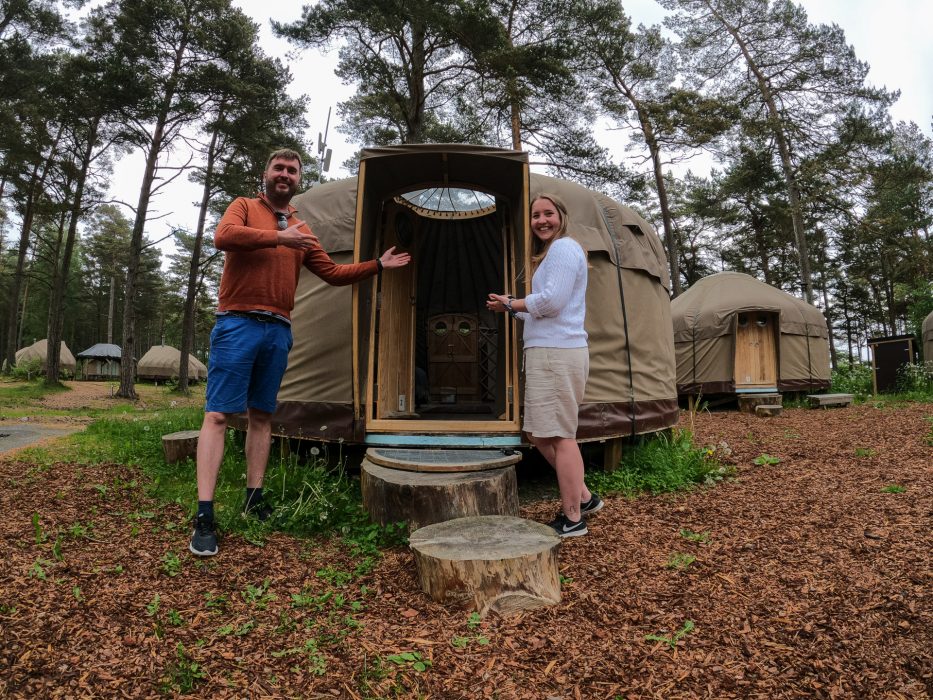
{"x":508,"y":305}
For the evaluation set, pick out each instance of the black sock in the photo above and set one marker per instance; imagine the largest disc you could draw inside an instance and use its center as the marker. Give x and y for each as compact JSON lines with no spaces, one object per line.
{"x":253,"y":498}
{"x":206,"y":510}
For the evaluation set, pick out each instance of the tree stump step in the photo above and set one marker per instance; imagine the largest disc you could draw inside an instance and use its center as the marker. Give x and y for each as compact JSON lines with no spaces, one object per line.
{"x":180,"y":446}
{"x":422,"y":498}
{"x":767,"y":410}
{"x":489,"y":563}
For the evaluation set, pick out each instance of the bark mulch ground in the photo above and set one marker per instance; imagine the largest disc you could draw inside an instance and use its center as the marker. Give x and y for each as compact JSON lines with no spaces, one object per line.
{"x":815,"y":580}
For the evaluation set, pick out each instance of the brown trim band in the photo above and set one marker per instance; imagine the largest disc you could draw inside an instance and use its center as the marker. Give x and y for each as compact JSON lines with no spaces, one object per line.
{"x":603,"y":420}
{"x":803,"y":384}
{"x":326,"y":421}
{"x":331,"y":422}
{"x":709,"y":388}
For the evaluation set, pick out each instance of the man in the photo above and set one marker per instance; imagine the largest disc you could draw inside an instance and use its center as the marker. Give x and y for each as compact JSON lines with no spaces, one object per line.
{"x":265,"y":246}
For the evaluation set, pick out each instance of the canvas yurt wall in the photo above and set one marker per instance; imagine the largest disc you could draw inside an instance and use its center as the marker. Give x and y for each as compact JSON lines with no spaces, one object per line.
{"x":926,"y":341}
{"x":163,"y":361}
{"x":631,"y":388}
{"x":100,"y":361}
{"x":39,"y":351}
{"x":706,"y":318}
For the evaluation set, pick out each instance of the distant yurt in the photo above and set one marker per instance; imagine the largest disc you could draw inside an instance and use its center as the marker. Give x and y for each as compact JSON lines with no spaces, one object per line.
{"x":412,"y":357}
{"x":39,"y":351}
{"x":926,"y":340}
{"x":735,"y":334}
{"x":100,"y":361}
{"x":162,"y":362}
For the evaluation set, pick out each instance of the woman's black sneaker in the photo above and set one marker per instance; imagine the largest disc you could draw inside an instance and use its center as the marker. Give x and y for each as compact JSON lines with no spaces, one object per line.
{"x":591,"y":506}
{"x":565,"y":527}
{"x":204,"y":538}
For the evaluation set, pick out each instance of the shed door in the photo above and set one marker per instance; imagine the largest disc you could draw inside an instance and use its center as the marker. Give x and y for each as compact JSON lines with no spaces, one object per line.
{"x":755,"y":354}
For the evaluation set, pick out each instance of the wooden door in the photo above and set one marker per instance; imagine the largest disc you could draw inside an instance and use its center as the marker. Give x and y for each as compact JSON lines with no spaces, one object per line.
{"x":395,"y":376}
{"x":755,"y":353}
{"x":452,"y":357}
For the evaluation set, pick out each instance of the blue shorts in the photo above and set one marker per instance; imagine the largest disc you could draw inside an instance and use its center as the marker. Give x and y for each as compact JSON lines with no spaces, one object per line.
{"x":246,"y":363}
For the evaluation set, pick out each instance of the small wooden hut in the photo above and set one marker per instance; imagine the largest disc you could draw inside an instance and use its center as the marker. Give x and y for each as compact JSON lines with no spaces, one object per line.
{"x":100,"y":362}
{"x":734,"y":334}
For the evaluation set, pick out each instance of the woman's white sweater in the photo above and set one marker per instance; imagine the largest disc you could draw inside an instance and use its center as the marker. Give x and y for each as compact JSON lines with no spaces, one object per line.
{"x":557,"y":303}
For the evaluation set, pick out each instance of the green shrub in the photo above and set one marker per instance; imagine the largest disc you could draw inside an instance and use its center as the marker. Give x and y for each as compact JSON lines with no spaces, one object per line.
{"x":852,"y":378}
{"x":916,"y":380}
{"x":27,"y":370}
{"x":663,"y":462}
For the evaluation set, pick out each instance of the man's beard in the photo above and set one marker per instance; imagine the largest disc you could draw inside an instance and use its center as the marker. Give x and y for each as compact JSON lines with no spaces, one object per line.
{"x":273,"y":193}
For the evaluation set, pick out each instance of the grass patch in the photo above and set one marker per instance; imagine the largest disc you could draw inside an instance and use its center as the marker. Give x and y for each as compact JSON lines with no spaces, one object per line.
{"x":309,"y":498}
{"x":22,"y":394}
{"x":662,"y":463}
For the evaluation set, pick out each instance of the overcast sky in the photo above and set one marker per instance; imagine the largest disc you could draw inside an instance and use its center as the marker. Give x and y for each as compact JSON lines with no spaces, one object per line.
{"x":892,"y":36}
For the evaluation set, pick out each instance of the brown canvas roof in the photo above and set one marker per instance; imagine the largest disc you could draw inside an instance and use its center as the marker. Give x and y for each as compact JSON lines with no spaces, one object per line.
{"x":39,"y":351}
{"x":927,"y":338}
{"x":704,"y":324}
{"x":162,"y":361}
{"x":628,"y":284}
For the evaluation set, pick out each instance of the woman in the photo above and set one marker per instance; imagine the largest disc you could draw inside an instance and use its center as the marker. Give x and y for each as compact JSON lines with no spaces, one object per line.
{"x":556,"y":356}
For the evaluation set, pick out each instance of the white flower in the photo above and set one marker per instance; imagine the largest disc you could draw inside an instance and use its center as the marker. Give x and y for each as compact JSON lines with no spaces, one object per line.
{"x":315,"y":451}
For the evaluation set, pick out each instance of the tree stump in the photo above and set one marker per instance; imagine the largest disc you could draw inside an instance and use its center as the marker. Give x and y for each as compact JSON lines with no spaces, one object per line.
{"x":768,"y":410}
{"x":488,"y":564}
{"x":180,"y":446}
{"x":422,"y":498}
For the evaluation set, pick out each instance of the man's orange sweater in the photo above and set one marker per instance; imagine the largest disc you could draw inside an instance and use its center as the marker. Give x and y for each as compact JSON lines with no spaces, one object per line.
{"x":261,"y":275}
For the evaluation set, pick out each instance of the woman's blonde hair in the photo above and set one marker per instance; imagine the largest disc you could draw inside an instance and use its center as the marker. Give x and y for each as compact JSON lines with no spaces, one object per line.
{"x":539,"y":248}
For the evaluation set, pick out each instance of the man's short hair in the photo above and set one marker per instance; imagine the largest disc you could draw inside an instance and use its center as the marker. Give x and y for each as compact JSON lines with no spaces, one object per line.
{"x":284,"y":154}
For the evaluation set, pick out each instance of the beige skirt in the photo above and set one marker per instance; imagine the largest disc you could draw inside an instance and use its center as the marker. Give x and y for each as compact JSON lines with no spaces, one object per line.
{"x":555,"y":379}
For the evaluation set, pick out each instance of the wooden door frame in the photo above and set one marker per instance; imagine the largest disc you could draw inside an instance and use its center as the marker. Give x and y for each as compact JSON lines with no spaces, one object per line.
{"x":510,"y":423}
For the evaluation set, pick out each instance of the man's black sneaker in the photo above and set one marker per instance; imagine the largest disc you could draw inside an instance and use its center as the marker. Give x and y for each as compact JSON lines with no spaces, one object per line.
{"x":591,"y":506}
{"x":565,"y":527}
{"x":204,"y":538}
{"x":261,"y":511}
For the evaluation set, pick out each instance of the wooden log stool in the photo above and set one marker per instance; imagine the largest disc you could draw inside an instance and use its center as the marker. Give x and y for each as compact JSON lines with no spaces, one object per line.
{"x":181,"y":445}
{"x":767,"y":410}
{"x":488,"y":564}
{"x":748,"y":403}
{"x":429,"y":486}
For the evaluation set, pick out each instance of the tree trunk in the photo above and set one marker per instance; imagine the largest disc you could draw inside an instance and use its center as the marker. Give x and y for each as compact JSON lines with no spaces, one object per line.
{"x":36,"y":184}
{"x":127,"y":365}
{"x":54,"y":352}
{"x":670,"y":239}
{"x":60,"y":281}
{"x":787,"y":166}
{"x":111,"y":308}
{"x":187,"y":326}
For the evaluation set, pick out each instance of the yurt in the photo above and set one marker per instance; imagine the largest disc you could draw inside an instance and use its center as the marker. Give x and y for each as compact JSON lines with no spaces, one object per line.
{"x":734,"y":334}
{"x":412,"y":357}
{"x":162,"y":362}
{"x":101,"y":361}
{"x":39,"y":351}
{"x":926,"y":340}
